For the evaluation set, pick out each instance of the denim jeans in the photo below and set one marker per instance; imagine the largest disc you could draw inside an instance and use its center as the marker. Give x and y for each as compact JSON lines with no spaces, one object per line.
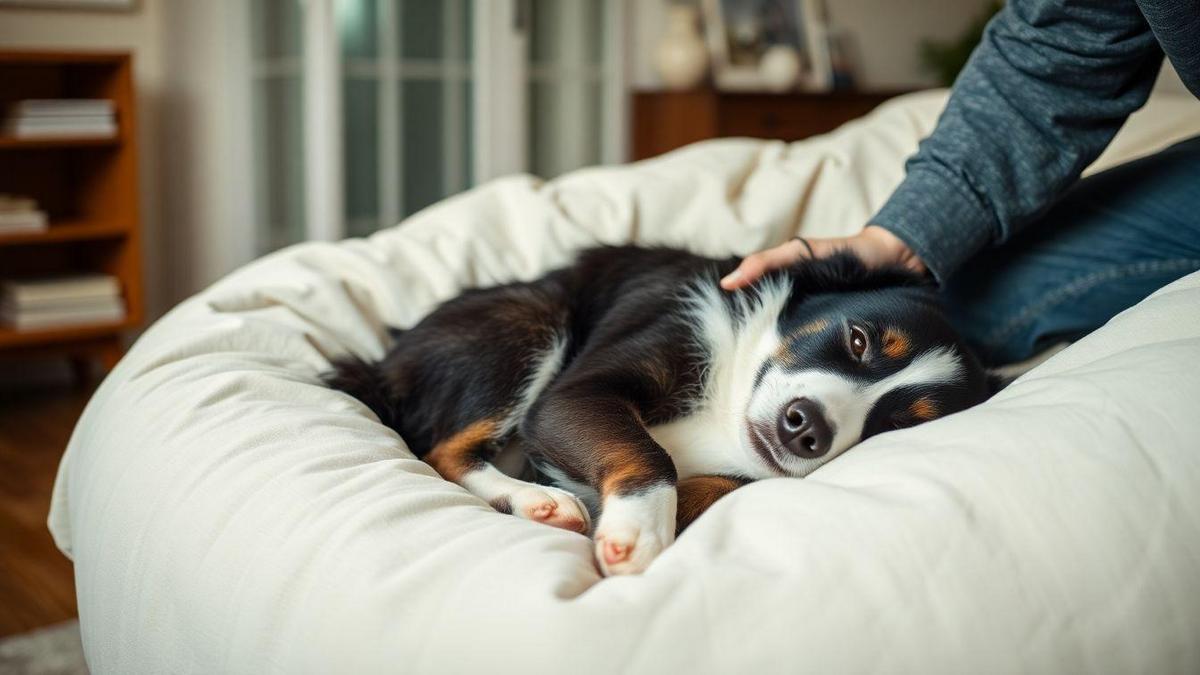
{"x":1111,"y":240}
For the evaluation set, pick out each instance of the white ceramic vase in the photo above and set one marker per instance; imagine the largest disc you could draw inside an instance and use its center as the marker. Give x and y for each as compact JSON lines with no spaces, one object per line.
{"x":780,"y":68}
{"x":681,"y":56}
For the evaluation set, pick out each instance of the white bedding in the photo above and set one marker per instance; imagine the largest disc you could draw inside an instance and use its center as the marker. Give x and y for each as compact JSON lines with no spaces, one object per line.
{"x":226,"y":513}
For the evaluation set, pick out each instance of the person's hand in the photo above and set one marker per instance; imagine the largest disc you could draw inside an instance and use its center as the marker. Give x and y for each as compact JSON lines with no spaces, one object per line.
{"x":874,"y":245}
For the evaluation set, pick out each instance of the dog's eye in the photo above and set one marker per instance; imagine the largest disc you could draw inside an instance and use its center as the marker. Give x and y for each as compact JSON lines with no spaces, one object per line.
{"x":858,"y":342}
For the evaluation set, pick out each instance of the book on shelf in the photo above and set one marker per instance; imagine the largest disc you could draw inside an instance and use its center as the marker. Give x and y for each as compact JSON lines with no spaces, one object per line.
{"x":31,"y":304}
{"x":31,"y":292}
{"x":20,"y":214}
{"x":59,"y":107}
{"x":111,"y":310}
{"x":10,"y":203}
{"x":24,"y":221}
{"x":56,"y":118}
{"x":88,"y":126}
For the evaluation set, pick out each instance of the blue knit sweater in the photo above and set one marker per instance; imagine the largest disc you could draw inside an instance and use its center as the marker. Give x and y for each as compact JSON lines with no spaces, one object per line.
{"x":1040,"y":98}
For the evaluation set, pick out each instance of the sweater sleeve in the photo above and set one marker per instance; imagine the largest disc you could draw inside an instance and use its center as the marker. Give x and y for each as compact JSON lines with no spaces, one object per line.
{"x":1041,"y":97}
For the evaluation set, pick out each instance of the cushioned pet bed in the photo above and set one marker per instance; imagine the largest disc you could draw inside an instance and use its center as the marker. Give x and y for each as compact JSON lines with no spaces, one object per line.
{"x":227,"y":513}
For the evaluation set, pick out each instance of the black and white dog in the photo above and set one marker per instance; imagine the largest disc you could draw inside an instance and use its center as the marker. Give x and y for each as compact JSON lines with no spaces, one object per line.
{"x":640,"y":391}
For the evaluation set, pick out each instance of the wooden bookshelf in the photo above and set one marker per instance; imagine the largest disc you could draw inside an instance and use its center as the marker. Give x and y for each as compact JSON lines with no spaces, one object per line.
{"x":88,"y":186}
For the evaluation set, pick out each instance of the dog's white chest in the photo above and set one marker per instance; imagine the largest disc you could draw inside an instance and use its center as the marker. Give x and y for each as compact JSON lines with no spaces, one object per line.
{"x":701,"y":443}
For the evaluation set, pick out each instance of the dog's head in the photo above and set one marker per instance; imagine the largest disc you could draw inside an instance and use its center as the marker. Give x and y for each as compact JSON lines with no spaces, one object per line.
{"x":855,"y":352}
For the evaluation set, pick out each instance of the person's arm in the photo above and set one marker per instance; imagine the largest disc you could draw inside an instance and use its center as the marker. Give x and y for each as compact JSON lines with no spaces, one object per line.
{"x":1040,"y":98}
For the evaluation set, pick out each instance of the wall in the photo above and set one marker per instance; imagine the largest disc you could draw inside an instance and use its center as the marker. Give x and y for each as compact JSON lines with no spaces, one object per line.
{"x":139,"y":31}
{"x":206,"y":127}
{"x":887,"y":33}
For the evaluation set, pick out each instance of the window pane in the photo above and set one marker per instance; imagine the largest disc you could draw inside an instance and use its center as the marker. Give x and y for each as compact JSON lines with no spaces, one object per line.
{"x":566,"y":94}
{"x":564,"y":126}
{"x":592,"y":143}
{"x":544,"y":114}
{"x":406,"y":124}
{"x":421,"y":28}
{"x":563,"y":32}
{"x":357,"y":21}
{"x":360,"y":123}
{"x":279,"y":158}
{"x":467,"y":131}
{"x":467,"y":28}
{"x":422,"y":129}
{"x":275,"y":25}
{"x":594,"y":29}
{"x":544,"y":37}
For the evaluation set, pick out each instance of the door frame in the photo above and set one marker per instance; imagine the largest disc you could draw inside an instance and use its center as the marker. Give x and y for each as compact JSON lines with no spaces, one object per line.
{"x":498,"y":85}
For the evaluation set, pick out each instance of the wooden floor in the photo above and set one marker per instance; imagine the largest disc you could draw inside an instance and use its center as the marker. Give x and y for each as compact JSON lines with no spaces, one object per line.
{"x":37,"y":586}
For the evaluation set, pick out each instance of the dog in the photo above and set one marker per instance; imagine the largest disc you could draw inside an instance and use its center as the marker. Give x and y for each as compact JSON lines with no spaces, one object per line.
{"x":641,"y":392}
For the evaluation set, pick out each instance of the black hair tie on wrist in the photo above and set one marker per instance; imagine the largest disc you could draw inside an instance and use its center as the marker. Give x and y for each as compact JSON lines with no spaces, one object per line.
{"x":807,"y":245}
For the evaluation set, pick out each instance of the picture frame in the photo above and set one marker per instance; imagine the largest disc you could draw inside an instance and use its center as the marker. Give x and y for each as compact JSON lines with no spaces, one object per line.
{"x":768,"y":45}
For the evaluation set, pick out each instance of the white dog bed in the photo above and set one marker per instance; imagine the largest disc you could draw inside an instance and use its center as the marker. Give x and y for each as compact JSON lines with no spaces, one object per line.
{"x":227,"y":513}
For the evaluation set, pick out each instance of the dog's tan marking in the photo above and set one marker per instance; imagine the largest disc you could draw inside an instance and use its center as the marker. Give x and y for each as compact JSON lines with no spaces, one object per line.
{"x":783,"y":353}
{"x":459,"y":453}
{"x":698,"y":493}
{"x":623,"y":468}
{"x":811,"y":328}
{"x":658,"y":371}
{"x":923,"y":409}
{"x":896,"y":344}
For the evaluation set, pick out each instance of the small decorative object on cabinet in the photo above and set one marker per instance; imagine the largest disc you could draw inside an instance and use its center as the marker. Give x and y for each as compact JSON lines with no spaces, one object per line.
{"x":781,"y":67}
{"x":665,"y":120}
{"x":72,"y":274}
{"x":682,"y":57}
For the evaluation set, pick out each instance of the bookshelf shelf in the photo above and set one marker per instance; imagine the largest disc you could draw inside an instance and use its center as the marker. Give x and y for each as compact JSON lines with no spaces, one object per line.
{"x":66,"y":231}
{"x":28,"y":338}
{"x":88,"y":185}
{"x":11,"y":143}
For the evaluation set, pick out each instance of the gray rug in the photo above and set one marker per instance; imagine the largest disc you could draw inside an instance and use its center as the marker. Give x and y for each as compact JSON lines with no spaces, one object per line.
{"x":53,"y":650}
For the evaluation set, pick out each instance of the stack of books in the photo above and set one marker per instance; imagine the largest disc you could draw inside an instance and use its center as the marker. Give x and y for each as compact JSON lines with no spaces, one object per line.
{"x":58,"y":117}
{"x":32,"y":304}
{"x":20,"y":214}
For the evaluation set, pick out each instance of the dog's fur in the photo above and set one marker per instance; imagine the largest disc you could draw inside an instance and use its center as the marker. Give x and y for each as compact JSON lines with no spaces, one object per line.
{"x":639,"y":390}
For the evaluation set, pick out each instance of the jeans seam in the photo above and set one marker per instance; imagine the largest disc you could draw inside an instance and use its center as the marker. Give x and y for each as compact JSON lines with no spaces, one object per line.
{"x":1086,"y":283}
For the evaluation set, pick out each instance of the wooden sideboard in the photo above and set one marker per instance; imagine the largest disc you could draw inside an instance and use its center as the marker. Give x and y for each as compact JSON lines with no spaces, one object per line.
{"x":663,"y":121}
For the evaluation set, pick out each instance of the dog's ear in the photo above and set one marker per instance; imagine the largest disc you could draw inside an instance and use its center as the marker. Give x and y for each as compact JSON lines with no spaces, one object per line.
{"x":845,"y":272}
{"x":997,"y":381}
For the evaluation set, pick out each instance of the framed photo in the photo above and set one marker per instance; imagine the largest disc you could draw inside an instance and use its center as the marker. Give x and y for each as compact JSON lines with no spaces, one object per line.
{"x":768,"y":45}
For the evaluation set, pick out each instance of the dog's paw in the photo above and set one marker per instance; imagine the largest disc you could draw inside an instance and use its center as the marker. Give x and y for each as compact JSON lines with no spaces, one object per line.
{"x":551,"y":506}
{"x":634,"y":529}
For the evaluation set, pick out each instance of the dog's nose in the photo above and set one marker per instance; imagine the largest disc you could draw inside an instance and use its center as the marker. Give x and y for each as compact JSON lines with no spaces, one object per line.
{"x":803,"y":429}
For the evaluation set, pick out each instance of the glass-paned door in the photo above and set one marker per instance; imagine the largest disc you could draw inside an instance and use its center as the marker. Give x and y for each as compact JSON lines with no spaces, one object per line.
{"x":277,"y":62}
{"x":406,"y":106}
{"x":568,"y":75}
{"x":365,"y":110}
